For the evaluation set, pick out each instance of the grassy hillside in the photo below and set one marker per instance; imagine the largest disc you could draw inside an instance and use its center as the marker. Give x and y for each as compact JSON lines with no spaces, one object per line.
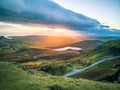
{"x":72,"y":58}
{"x":88,"y":44}
{"x":19,"y":50}
{"x":108,"y":49}
{"x":55,"y":62}
{"x":106,"y":71}
{"x":48,"y":60}
{"x":14,"y":77}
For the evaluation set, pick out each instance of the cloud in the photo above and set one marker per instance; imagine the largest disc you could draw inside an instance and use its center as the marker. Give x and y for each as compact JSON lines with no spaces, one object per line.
{"x":5,"y":26}
{"x":43,"y":12}
{"x":49,"y":13}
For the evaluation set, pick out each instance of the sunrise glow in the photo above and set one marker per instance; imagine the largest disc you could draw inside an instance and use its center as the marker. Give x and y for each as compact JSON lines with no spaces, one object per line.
{"x":22,"y":30}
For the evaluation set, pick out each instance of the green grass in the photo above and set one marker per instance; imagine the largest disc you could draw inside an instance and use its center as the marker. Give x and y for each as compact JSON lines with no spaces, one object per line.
{"x":108,"y":49}
{"x":54,"y":67}
{"x":13,"y":77}
{"x":102,"y":71}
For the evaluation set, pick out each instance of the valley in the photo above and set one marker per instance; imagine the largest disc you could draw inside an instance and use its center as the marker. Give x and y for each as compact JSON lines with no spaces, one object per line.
{"x":95,"y":60}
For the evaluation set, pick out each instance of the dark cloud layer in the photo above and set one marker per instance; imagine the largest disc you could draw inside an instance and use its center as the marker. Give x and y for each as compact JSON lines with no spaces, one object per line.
{"x":49,"y":13}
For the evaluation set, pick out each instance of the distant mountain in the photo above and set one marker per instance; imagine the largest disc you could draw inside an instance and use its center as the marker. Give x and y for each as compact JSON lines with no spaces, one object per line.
{"x":2,"y":38}
{"x":47,"y":41}
{"x":88,"y":44}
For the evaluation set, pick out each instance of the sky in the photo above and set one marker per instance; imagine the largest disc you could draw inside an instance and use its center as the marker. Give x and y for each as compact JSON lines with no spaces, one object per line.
{"x":60,"y":18}
{"x":105,"y":11}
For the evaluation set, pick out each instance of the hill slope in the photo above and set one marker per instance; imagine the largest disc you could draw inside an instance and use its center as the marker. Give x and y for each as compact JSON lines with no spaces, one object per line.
{"x":13,"y":77}
{"x":108,"y":49}
{"x":106,"y":71}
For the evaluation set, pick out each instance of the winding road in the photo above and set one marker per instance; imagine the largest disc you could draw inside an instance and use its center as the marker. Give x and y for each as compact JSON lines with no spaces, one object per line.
{"x":75,"y":71}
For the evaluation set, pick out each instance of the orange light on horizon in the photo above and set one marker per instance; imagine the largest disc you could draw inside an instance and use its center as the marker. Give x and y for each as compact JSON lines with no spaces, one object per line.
{"x":48,"y":36}
{"x":37,"y":29}
{"x":54,"y":41}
